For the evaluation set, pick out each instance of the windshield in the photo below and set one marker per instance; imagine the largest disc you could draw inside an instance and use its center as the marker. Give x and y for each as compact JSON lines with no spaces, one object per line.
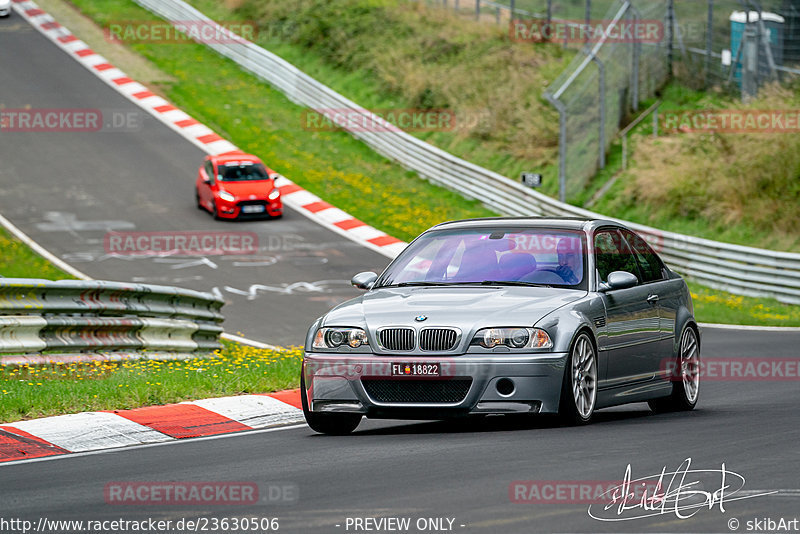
{"x":242,"y":171}
{"x":529,"y":256}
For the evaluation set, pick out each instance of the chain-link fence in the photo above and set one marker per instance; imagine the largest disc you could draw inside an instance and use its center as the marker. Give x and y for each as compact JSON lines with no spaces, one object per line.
{"x":628,"y":49}
{"x":737,"y":45}
{"x":605,"y":82}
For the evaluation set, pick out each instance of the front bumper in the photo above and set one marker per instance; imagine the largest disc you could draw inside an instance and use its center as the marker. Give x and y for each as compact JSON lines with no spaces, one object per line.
{"x":5,"y":11}
{"x":234,"y":210}
{"x":336,"y":383}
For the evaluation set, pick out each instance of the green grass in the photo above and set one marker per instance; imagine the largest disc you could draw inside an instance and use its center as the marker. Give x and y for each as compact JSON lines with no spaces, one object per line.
{"x":713,"y":306}
{"x":732,"y":187}
{"x":31,"y":391}
{"x":17,"y":260}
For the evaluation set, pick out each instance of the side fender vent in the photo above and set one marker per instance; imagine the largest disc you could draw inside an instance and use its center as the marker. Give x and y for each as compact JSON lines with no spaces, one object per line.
{"x":599,"y":322}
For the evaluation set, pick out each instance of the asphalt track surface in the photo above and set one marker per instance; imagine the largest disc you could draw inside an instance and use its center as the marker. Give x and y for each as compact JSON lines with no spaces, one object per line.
{"x":461,"y":471}
{"x":66,"y":190}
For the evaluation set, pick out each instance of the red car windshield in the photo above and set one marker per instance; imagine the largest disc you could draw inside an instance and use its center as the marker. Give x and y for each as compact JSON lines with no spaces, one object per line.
{"x":534,"y":256}
{"x":242,"y":172}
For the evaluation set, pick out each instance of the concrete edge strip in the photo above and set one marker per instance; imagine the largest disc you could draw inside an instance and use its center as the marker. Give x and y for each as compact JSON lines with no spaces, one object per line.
{"x":303,"y":201}
{"x":94,"y":431}
{"x":754,"y":328}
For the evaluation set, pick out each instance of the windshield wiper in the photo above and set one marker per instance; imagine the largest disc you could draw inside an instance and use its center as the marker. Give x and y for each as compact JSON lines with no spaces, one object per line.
{"x":413,"y":284}
{"x":475,"y":283}
{"x":512,"y":283}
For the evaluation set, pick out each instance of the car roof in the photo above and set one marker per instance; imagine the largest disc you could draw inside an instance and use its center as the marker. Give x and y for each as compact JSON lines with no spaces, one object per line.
{"x":566,"y":223}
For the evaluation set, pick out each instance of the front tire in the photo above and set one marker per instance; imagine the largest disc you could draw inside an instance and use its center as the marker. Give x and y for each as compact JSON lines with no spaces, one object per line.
{"x":214,"y":212}
{"x":334,"y":424}
{"x":686,"y":386}
{"x":579,"y":386}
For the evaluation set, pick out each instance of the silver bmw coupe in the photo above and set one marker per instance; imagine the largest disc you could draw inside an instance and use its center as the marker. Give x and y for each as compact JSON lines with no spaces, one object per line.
{"x":506,"y":316}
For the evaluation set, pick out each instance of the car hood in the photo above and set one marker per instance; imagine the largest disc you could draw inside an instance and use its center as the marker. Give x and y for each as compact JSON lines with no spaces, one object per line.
{"x":260,"y":188}
{"x":466,"y":307}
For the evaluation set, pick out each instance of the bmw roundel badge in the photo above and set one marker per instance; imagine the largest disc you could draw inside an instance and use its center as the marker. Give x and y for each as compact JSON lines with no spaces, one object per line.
{"x":420,"y":318}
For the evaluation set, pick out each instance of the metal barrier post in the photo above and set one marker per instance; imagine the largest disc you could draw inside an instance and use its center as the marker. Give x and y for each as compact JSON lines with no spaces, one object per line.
{"x":655,"y":120}
{"x":709,"y":42}
{"x":670,"y":35}
{"x":601,"y":161}
{"x":588,"y":17}
{"x":749,"y":63}
{"x":562,"y":145}
{"x":477,"y":9}
{"x":637,"y":51}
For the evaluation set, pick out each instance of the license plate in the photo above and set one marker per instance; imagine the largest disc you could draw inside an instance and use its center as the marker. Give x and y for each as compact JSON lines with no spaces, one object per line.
{"x":252,"y":209}
{"x":416,"y":369}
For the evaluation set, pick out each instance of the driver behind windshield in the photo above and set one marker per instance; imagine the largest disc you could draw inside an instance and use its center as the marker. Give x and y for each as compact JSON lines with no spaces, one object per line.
{"x":568,"y":261}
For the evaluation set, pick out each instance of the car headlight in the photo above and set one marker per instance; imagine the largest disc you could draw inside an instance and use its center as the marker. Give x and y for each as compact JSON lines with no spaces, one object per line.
{"x":275,"y":193}
{"x":332,"y":338}
{"x":514,"y":338}
{"x":224,"y":195}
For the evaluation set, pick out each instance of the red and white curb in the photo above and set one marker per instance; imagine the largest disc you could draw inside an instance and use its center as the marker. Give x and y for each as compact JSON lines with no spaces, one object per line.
{"x":304,"y":202}
{"x":92,"y":431}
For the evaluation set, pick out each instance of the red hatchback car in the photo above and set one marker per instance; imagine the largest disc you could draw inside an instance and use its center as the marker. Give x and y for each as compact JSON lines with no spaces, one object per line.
{"x":237,"y":186}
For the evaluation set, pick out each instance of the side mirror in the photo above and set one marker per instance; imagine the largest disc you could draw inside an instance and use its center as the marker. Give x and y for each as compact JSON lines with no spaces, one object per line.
{"x":364,"y":280}
{"x":621,"y":280}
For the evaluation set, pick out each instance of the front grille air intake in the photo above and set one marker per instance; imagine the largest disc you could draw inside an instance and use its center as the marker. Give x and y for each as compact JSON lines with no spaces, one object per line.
{"x":437,"y":339}
{"x":449,"y":391}
{"x":397,"y":339}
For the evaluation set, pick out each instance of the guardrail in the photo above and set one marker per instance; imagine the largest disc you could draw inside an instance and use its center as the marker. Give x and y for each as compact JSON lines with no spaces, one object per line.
{"x":79,"y":315}
{"x":734,"y":268}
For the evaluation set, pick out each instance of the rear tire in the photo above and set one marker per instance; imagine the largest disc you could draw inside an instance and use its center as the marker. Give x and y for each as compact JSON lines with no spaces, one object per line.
{"x":686,"y":385}
{"x":579,"y":386}
{"x":334,"y":424}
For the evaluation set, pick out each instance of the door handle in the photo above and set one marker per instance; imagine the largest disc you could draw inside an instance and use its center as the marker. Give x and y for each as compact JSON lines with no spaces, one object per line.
{"x":652,"y":299}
